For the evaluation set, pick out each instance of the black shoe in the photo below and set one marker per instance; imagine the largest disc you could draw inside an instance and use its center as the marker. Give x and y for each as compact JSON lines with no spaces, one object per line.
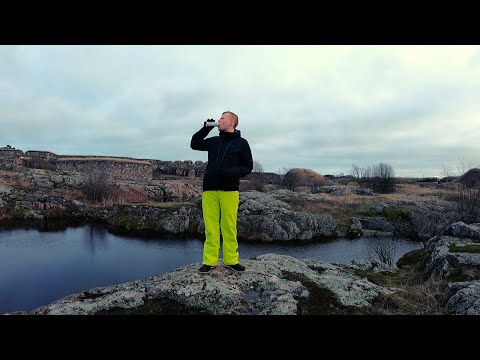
{"x":236,"y":267}
{"x":206,"y":268}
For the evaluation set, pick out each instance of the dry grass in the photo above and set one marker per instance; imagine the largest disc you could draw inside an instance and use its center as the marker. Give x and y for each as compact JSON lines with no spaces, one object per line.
{"x":415,"y":297}
{"x":422,"y":299}
{"x":343,"y":207}
{"x":127,"y":195}
{"x":416,"y":193}
{"x":69,"y":194}
{"x":14,"y":179}
{"x":42,"y":172}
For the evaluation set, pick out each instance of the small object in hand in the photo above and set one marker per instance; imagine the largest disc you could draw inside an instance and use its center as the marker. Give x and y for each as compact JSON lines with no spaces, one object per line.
{"x":210,"y":122}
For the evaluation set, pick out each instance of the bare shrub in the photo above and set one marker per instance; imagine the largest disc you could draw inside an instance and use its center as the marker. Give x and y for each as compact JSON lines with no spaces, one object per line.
{"x":96,"y":188}
{"x":467,"y":204}
{"x":257,"y":167}
{"x":464,"y":165}
{"x":383,"y":250}
{"x":430,"y":223}
{"x":306,"y":178}
{"x":356,"y":171}
{"x":380,"y":177}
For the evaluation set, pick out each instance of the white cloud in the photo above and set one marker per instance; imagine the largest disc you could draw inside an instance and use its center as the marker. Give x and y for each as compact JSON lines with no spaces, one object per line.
{"x":321,"y":107}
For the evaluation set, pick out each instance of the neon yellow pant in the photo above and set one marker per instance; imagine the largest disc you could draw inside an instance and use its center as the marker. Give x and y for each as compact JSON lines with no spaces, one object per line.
{"x":220,"y":210}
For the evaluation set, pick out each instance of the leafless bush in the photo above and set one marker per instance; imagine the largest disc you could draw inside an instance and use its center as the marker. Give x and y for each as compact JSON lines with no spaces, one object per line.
{"x":467,"y":204}
{"x":305,"y":178}
{"x":430,"y":223}
{"x":96,"y":188}
{"x":356,"y":171}
{"x":380,"y":178}
{"x":464,"y":165}
{"x":383,"y":250}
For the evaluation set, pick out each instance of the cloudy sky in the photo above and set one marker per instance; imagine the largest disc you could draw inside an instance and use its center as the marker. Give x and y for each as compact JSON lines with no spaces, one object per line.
{"x":325,"y":108}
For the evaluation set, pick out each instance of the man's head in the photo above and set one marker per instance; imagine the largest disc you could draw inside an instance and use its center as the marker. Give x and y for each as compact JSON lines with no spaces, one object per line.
{"x":228,"y":122}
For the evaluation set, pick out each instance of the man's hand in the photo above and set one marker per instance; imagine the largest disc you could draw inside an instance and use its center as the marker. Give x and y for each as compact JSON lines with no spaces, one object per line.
{"x":205,"y":123}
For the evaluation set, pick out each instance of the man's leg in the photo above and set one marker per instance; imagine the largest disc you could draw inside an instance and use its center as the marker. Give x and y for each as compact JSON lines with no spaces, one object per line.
{"x":229,"y":207}
{"x":211,"y":217}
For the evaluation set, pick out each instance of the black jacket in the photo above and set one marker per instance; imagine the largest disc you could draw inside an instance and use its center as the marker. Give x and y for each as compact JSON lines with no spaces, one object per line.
{"x":229,"y":158}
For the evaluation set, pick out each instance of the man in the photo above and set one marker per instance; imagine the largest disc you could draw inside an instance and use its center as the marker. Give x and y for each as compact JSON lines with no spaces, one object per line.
{"x":229,"y":158}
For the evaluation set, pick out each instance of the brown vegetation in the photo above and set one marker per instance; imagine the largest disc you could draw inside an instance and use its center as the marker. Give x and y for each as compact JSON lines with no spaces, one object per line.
{"x":304,"y":179}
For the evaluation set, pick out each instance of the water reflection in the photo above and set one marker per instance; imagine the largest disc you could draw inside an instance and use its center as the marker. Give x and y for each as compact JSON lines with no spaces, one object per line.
{"x":97,"y":238}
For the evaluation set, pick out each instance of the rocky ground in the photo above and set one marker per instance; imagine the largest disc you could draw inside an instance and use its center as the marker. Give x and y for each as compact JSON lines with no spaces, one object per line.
{"x":443,"y":278}
{"x":277,"y":215}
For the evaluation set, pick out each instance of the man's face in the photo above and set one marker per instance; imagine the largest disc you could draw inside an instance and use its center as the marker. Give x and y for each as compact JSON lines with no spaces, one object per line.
{"x":225,"y":122}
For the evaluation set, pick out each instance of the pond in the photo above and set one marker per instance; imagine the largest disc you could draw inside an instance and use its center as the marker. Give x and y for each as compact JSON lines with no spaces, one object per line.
{"x":38,"y":267}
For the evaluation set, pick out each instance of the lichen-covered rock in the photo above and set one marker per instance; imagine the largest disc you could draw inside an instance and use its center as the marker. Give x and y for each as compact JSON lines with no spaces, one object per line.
{"x":462,"y":230}
{"x":463,"y":298}
{"x":441,"y":261}
{"x":271,"y":284}
{"x":264,"y":217}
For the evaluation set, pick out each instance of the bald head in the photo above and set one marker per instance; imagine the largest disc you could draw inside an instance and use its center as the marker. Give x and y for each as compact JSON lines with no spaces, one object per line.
{"x":232,"y":116}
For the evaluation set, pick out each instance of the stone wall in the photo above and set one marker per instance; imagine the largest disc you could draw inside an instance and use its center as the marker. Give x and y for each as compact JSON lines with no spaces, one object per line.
{"x":186,"y":168}
{"x":120,"y":169}
{"x":124,"y":168}
{"x":44,"y":155}
{"x":11,"y":157}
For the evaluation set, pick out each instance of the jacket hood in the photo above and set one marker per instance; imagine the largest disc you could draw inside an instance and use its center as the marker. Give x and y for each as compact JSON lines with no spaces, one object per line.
{"x":229,"y":135}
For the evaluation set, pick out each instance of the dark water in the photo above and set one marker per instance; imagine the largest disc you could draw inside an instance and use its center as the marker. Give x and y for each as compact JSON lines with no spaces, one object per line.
{"x":39,"y":267}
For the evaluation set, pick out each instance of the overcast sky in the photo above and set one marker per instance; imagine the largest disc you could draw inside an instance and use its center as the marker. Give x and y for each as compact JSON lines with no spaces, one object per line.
{"x":325,"y":108}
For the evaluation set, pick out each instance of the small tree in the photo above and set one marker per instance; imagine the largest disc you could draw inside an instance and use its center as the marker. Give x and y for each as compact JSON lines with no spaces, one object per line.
{"x":257,"y":167}
{"x":446,"y":171}
{"x":356,"y":171}
{"x":291,"y":180}
{"x":380,"y":178}
{"x":463,"y":166}
{"x":282,"y":171}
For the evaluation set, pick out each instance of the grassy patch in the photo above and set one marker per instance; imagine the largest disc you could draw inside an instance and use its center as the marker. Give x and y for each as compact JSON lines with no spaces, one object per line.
{"x":382,"y":278}
{"x":409,"y":259}
{"x":463,"y":274}
{"x":471,"y":248}
{"x":423,"y":299}
{"x":341,"y":208}
{"x":396,"y":213}
{"x":456,"y":275}
{"x":321,"y":301}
